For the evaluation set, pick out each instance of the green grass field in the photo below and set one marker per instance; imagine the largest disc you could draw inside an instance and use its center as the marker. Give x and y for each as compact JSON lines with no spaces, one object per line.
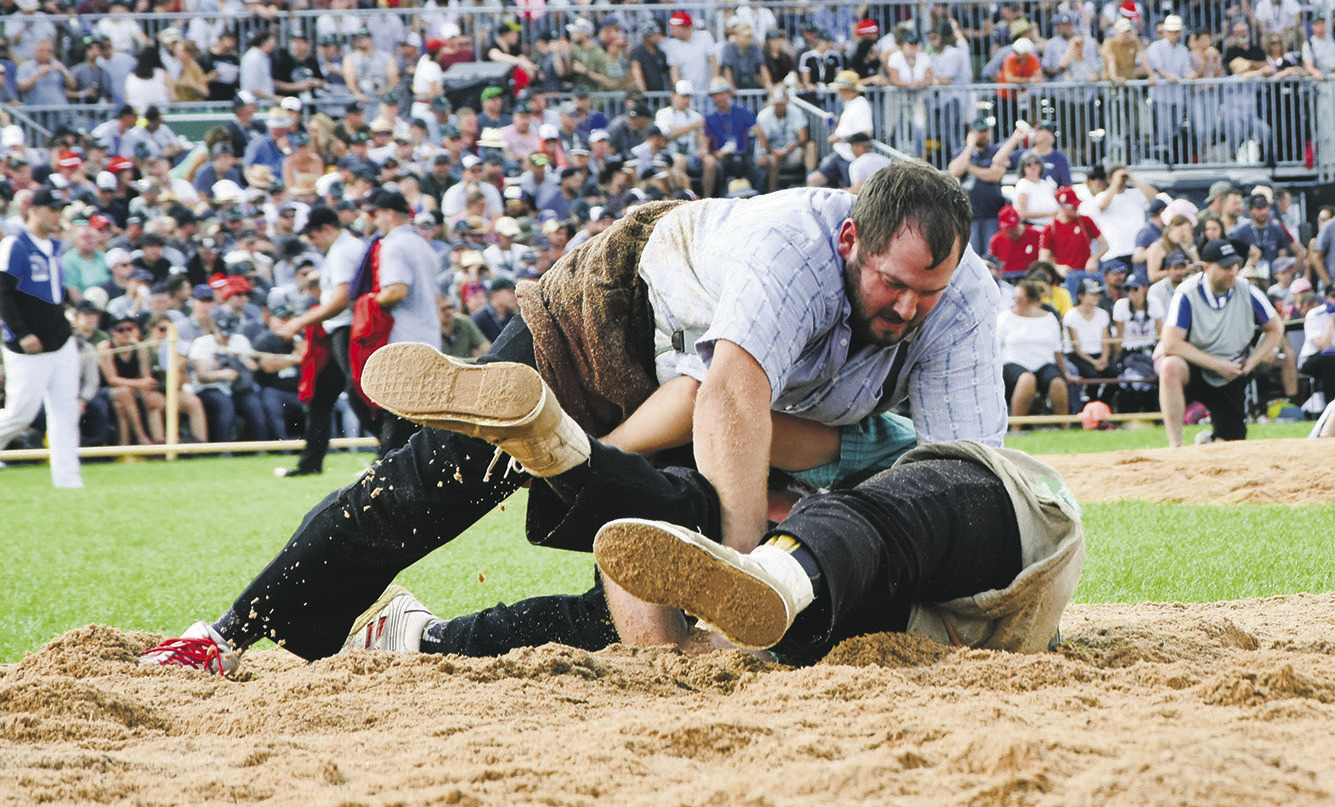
{"x":156,"y":545}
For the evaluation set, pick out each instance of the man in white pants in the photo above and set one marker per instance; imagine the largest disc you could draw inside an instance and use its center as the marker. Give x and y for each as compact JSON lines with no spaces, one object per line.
{"x":41,"y":358}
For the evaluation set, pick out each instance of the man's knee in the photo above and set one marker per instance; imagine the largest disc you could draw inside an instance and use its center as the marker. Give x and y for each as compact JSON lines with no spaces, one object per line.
{"x":1174,"y":371}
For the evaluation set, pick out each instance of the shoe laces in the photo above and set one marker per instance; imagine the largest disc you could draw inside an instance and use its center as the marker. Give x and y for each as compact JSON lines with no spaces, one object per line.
{"x":197,"y":654}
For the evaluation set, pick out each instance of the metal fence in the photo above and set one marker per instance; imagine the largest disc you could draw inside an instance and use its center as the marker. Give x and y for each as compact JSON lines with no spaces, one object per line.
{"x":1221,"y":124}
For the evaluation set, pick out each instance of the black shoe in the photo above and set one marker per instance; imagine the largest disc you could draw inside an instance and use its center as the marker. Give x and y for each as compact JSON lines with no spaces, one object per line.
{"x":287,"y":473}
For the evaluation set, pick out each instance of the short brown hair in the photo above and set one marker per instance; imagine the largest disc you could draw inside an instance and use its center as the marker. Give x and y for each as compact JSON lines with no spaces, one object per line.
{"x":915,"y":195}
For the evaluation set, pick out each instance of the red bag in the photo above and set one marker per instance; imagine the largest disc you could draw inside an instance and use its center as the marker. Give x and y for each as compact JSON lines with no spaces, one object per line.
{"x":318,"y":352}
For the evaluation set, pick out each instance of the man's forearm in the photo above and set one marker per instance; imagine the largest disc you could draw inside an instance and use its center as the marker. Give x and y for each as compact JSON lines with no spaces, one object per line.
{"x":732,"y":441}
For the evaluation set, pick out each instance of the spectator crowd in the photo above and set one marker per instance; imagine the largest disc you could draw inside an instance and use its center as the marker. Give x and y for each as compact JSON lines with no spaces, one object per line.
{"x":349,"y":131}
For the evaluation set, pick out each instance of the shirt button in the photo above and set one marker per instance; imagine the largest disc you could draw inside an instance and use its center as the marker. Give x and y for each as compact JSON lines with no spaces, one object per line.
{"x":843,"y":342}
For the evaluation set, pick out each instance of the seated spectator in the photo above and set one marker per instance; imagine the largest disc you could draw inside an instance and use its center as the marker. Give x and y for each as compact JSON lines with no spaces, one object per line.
{"x":1031,"y":352}
{"x":1317,"y":357}
{"x":1035,"y":194}
{"x":1015,"y":244}
{"x":501,"y":307}
{"x":85,"y":265}
{"x":728,"y":132}
{"x":1137,"y":321}
{"x":277,"y":375}
{"x":127,"y":373}
{"x":1266,"y":234}
{"x":856,"y":116}
{"x":459,"y":336}
{"x":223,"y":378}
{"x":1089,"y":333}
{"x":159,"y":331}
{"x":866,"y":161}
{"x":790,"y":143}
{"x":1056,"y":296}
{"x":134,"y":302}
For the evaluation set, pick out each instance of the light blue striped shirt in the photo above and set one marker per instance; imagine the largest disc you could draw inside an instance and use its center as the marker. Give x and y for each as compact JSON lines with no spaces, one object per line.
{"x":765,"y":274}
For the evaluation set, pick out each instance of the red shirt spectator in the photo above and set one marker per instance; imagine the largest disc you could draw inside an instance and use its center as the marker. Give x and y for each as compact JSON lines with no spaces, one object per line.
{"x":1068,"y":240}
{"x":1015,"y":245}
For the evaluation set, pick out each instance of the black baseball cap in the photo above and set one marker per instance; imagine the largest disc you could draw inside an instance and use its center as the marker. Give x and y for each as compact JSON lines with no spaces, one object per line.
{"x":50,"y":198}
{"x":1220,"y":251}
{"x":320,"y":217}
{"x":388,"y":200}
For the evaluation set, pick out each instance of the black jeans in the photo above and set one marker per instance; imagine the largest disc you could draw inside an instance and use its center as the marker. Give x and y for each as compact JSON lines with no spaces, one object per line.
{"x":931,"y":531}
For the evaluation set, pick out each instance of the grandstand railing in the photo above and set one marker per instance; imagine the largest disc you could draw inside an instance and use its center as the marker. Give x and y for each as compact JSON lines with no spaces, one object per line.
{"x":1207,"y":124}
{"x":979,"y":20}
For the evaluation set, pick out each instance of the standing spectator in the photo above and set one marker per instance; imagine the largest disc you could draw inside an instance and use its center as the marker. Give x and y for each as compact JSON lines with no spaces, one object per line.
{"x":856,"y":116}
{"x":1014,"y":243}
{"x":257,"y":66}
{"x":120,"y":30}
{"x":1169,"y":61}
{"x":909,"y":70}
{"x":42,"y":80}
{"x":790,"y":144}
{"x":506,"y":48}
{"x":822,"y":64}
{"x":1276,"y":17}
{"x":690,"y":52}
{"x":1021,"y":68}
{"x":1205,"y":352}
{"x":1119,"y":211}
{"x":1319,"y":50}
{"x":1030,"y":339}
{"x":1035,"y":194}
{"x":951,"y":67}
{"x":1066,"y":242}
{"x":980,"y":167}
{"x":222,"y":67}
{"x":588,"y":60}
{"x":149,"y":84}
{"x":779,"y":59}
{"x":89,"y":82}
{"x":25,"y":29}
{"x":648,"y":63}
{"x":41,"y":359}
{"x":742,"y":62}
{"x":296,"y":71}
{"x":865,"y":60}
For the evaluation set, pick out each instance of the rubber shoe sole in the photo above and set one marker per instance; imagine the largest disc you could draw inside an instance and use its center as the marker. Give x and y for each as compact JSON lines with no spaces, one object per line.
{"x":417,"y":382}
{"x":664,"y":564}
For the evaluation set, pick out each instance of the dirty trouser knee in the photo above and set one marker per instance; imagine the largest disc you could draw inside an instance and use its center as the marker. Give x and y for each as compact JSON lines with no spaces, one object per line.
{"x":927,"y":532}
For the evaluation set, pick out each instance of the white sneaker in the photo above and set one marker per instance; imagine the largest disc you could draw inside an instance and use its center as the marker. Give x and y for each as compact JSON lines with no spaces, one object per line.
{"x":199,"y":648}
{"x":394,"y":623}
{"x":751,"y":599}
{"x":505,"y":403}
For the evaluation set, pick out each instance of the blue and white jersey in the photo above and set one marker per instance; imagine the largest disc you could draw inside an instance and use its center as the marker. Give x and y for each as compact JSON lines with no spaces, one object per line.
{"x":32,"y":291}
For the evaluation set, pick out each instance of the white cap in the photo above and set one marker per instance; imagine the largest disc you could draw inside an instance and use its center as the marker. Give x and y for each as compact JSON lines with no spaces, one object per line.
{"x":326,"y":182}
{"x":225,"y":190}
{"x":117,"y":256}
{"x":106,"y":181}
{"x":549,"y":131}
{"x":12,"y":135}
{"x":1023,"y":46}
{"x":507,"y":226}
{"x":471,"y":257}
{"x":291,"y":103}
{"x":684,"y":87}
{"x":450,"y":30}
{"x":598,"y":134}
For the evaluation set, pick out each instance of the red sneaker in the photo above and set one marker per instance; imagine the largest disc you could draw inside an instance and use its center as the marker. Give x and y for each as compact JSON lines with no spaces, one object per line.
{"x":199,"y":648}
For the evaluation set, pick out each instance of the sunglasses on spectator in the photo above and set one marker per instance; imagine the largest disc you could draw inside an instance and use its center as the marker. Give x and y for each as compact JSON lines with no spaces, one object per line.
{"x":124,"y":329}
{"x":288,"y":214}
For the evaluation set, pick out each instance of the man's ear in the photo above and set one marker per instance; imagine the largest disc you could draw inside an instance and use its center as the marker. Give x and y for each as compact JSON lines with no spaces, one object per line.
{"x":848,"y":237}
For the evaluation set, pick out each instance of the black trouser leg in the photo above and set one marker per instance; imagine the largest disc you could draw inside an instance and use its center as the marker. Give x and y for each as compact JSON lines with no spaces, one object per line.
{"x":566,"y":512}
{"x":581,"y":621}
{"x":329,"y":385}
{"x":354,"y":542}
{"x":929,"y":531}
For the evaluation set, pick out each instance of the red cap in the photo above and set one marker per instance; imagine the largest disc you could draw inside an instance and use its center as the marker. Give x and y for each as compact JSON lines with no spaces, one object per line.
{"x":119,"y":164}
{"x":99,"y":222}
{"x":234,"y":285}
{"x":681,"y":18}
{"x":1008,"y":216}
{"x":434,"y":44}
{"x":867,"y":28}
{"x":68,"y":159}
{"x":1067,"y":196}
{"x":1128,"y":9}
